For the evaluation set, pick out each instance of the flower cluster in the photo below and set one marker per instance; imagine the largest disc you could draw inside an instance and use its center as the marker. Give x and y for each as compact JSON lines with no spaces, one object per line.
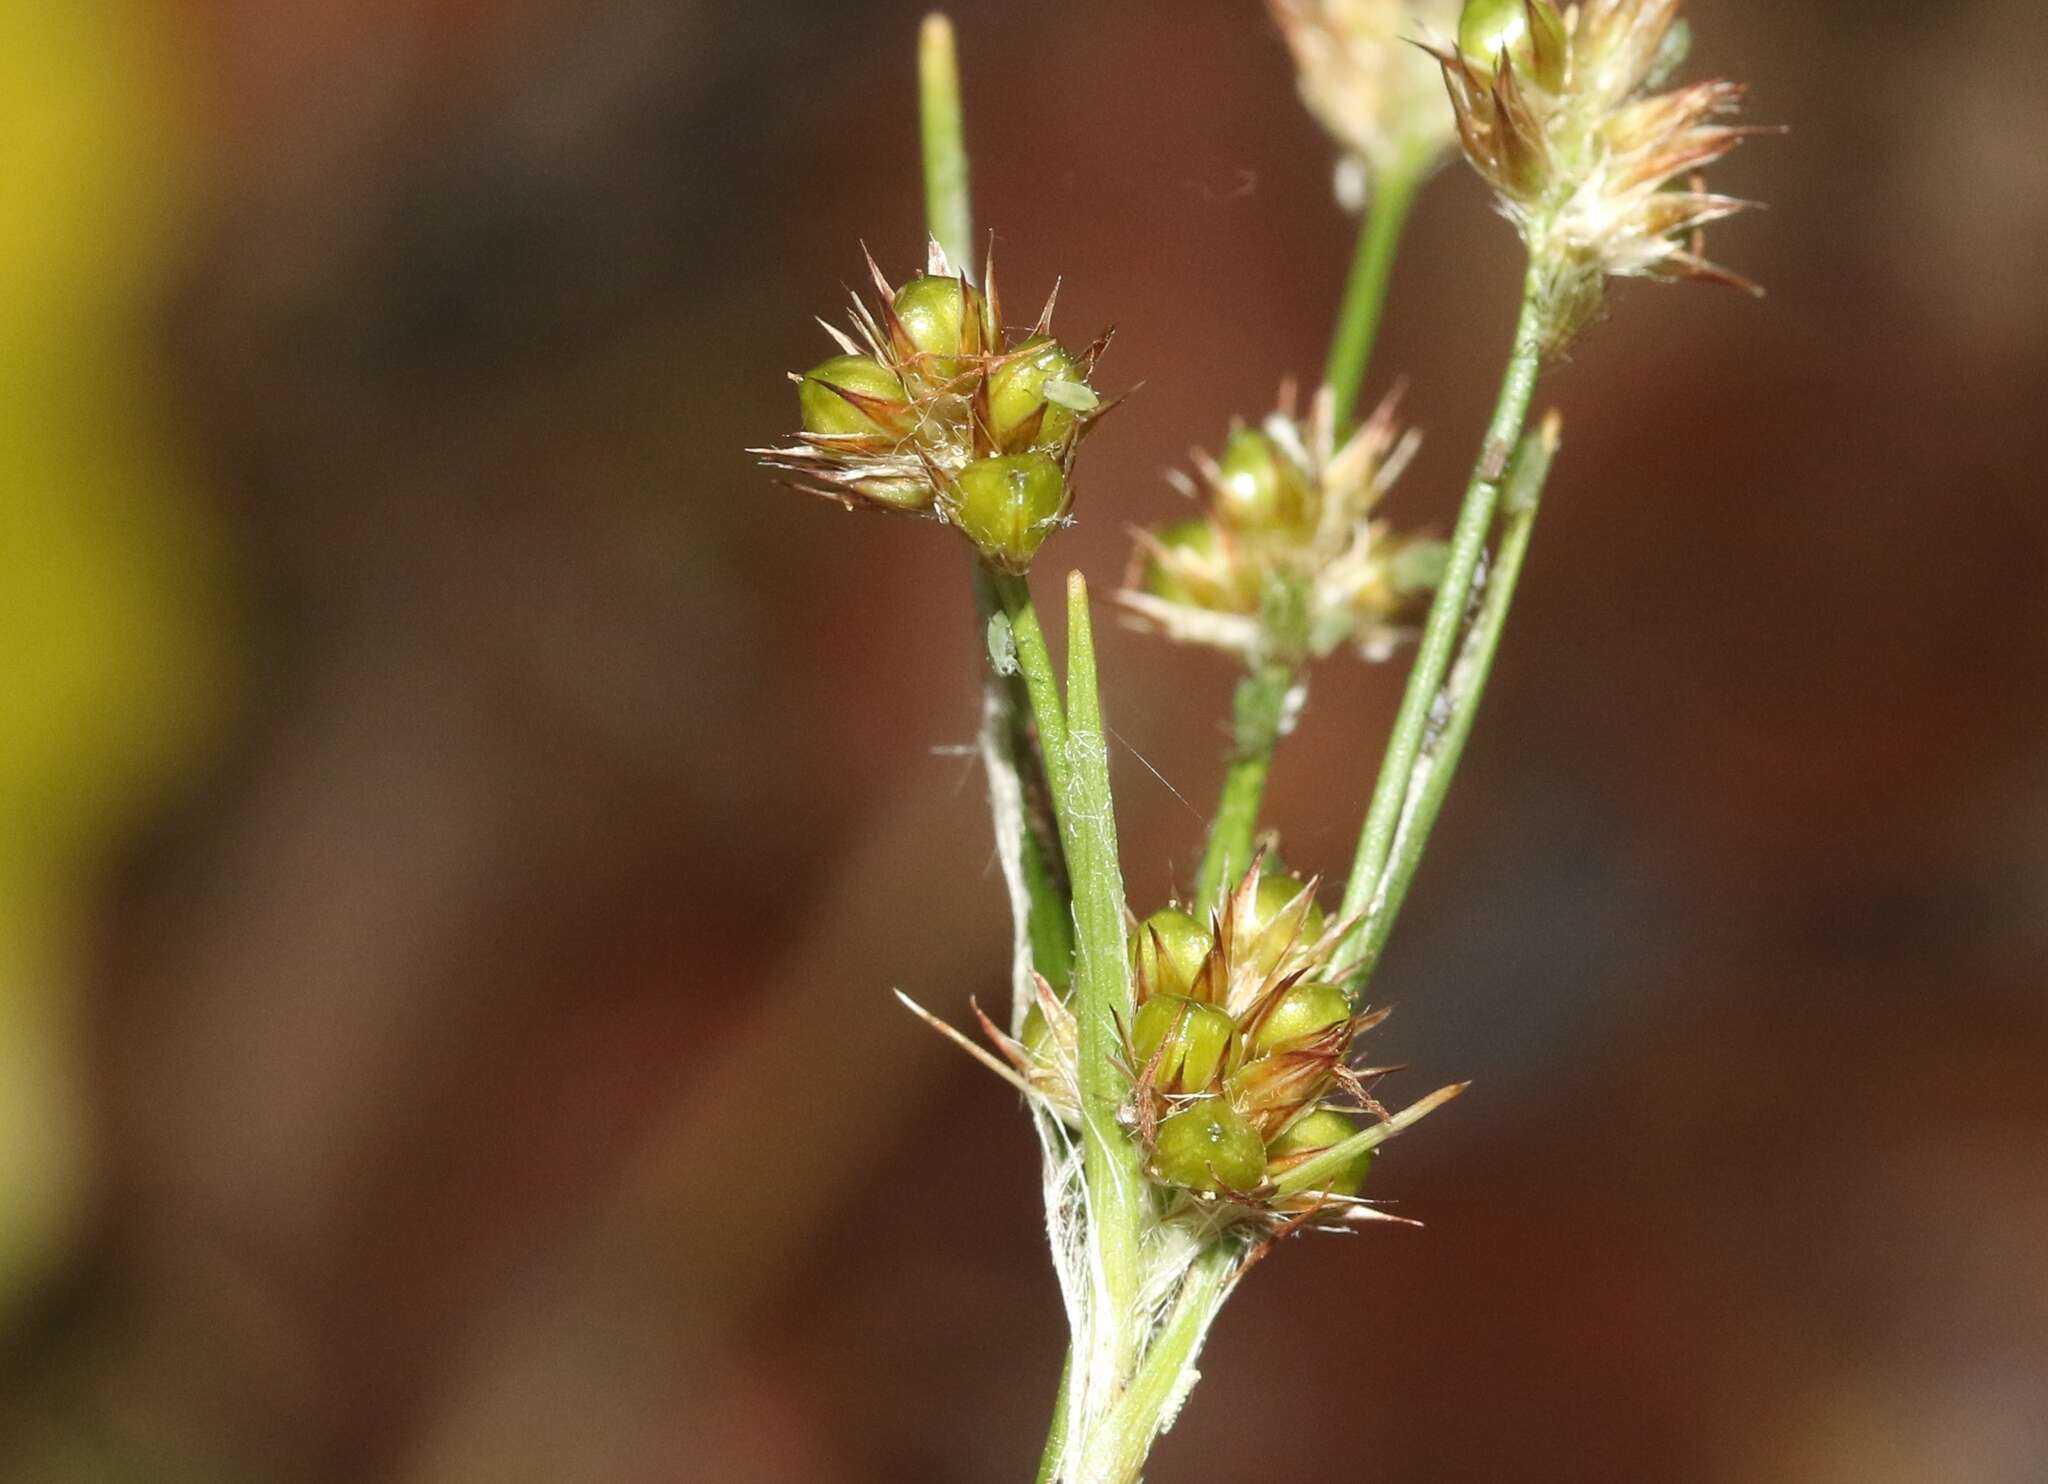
{"x":931,"y":409}
{"x":1238,"y":1053}
{"x":1557,"y":111}
{"x":1288,"y":560}
{"x":1377,"y":95}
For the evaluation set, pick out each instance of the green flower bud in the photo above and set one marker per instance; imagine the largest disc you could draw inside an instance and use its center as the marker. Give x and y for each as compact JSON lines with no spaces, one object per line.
{"x":1209,"y":1145}
{"x":1007,"y":506}
{"x":1169,"y":961}
{"x":1530,"y":32}
{"x":941,"y":317}
{"x":1323,"y":1129}
{"x":1269,"y":939}
{"x":1197,"y":1041}
{"x":1303,"y":1010}
{"x":1017,"y":393}
{"x":1035,"y":1033}
{"x":826,"y":410}
{"x":1262,"y":491}
{"x":1196,"y":536}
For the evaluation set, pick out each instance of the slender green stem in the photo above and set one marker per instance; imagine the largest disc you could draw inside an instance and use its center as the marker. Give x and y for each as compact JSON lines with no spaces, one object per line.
{"x":1126,"y":1436}
{"x":1041,"y":684}
{"x":1049,"y":919}
{"x":1467,"y":683}
{"x":949,"y":217}
{"x":1035,"y":753}
{"x":1447,"y":613}
{"x":947,"y":202}
{"x":1260,"y":706}
{"x":1110,"y":1159}
{"x":1372,"y":269}
{"x":1056,"y":1435}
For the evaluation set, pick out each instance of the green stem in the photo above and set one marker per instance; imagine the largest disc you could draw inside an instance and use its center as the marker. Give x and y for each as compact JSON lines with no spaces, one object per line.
{"x":1260,"y":705}
{"x":1125,"y":1437}
{"x":1110,"y":1160}
{"x":949,"y":218}
{"x":947,"y":203}
{"x":1372,"y":269}
{"x":1447,"y":614}
{"x":1012,"y":596}
{"x":1049,"y":918}
{"x":1467,"y":683}
{"x":1033,"y":689}
{"x":1056,"y":1435}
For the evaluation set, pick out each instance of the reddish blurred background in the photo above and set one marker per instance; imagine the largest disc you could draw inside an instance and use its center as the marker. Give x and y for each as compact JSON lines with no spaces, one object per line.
{"x":460,"y":821}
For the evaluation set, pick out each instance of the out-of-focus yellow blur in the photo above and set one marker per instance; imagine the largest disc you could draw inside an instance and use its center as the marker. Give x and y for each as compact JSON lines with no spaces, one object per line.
{"x":113,"y":654}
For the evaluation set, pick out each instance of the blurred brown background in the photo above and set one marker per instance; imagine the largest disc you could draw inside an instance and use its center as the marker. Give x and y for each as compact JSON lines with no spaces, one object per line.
{"x":460,"y":821}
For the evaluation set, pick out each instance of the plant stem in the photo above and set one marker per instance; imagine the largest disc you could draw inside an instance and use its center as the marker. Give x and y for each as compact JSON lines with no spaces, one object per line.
{"x":1049,"y":919}
{"x":1041,"y":684}
{"x":1372,"y":269}
{"x":1126,"y":1436}
{"x":1056,"y":1435}
{"x":1436,"y":765}
{"x":1260,"y":704}
{"x":1447,"y":613}
{"x":948,"y":213}
{"x":949,"y":217}
{"x":1102,"y":993}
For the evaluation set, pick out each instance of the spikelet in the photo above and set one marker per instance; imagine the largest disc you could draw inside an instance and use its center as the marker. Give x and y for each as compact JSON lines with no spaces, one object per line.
{"x":1557,"y":110}
{"x":932,"y":409}
{"x":1367,"y":86}
{"x":1288,"y":558}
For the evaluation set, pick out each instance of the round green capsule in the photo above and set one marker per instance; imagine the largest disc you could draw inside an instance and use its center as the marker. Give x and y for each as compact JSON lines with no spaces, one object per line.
{"x":1209,"y":1146}
{"x":1268,"y":941}
{"x":1017,"y":395}
{"x":1303,"y":1010}
{"x":1530,"y":33}
{"x":1324,"y":1129}
{"x":941,"y":317}
{"x":826,"y":410}
{"x":1008,"y":506}
{"x":1168,"y":949}
{"x":1261,"y":491}
{"x":1191,"y":1040}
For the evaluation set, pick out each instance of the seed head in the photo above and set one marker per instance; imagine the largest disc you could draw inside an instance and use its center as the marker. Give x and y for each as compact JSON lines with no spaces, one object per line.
{"x":1598,"y":172}
{"x":1288,"y":560}
{"x":1365,"y":84}
{"x":930,"y":408}
{"x":1240,"y":1056}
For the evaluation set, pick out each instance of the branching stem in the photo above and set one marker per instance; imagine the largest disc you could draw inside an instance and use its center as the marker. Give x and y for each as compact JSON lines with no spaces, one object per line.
{"x":1416,"y":719}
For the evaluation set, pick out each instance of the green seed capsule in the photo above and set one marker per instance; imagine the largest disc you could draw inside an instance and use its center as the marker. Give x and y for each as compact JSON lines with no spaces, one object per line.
{"x":826,"y":411}
{"x":1007,"y":506}
{"x":1209,"y":1146}
{"x":1196,"y":536}
{"x":1168,"y":951}
{"x":1017,"y":392}
{"x":1197,"y":1041}
{"x":1035,"y":1033}
{"x":942,"y":319}
{"x":1306,"y":1008}
{"x":1262,"y":492}
{"x":1323,"y":1129}
{"x":1530,"y":32}
{"x":1268,"y":940}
